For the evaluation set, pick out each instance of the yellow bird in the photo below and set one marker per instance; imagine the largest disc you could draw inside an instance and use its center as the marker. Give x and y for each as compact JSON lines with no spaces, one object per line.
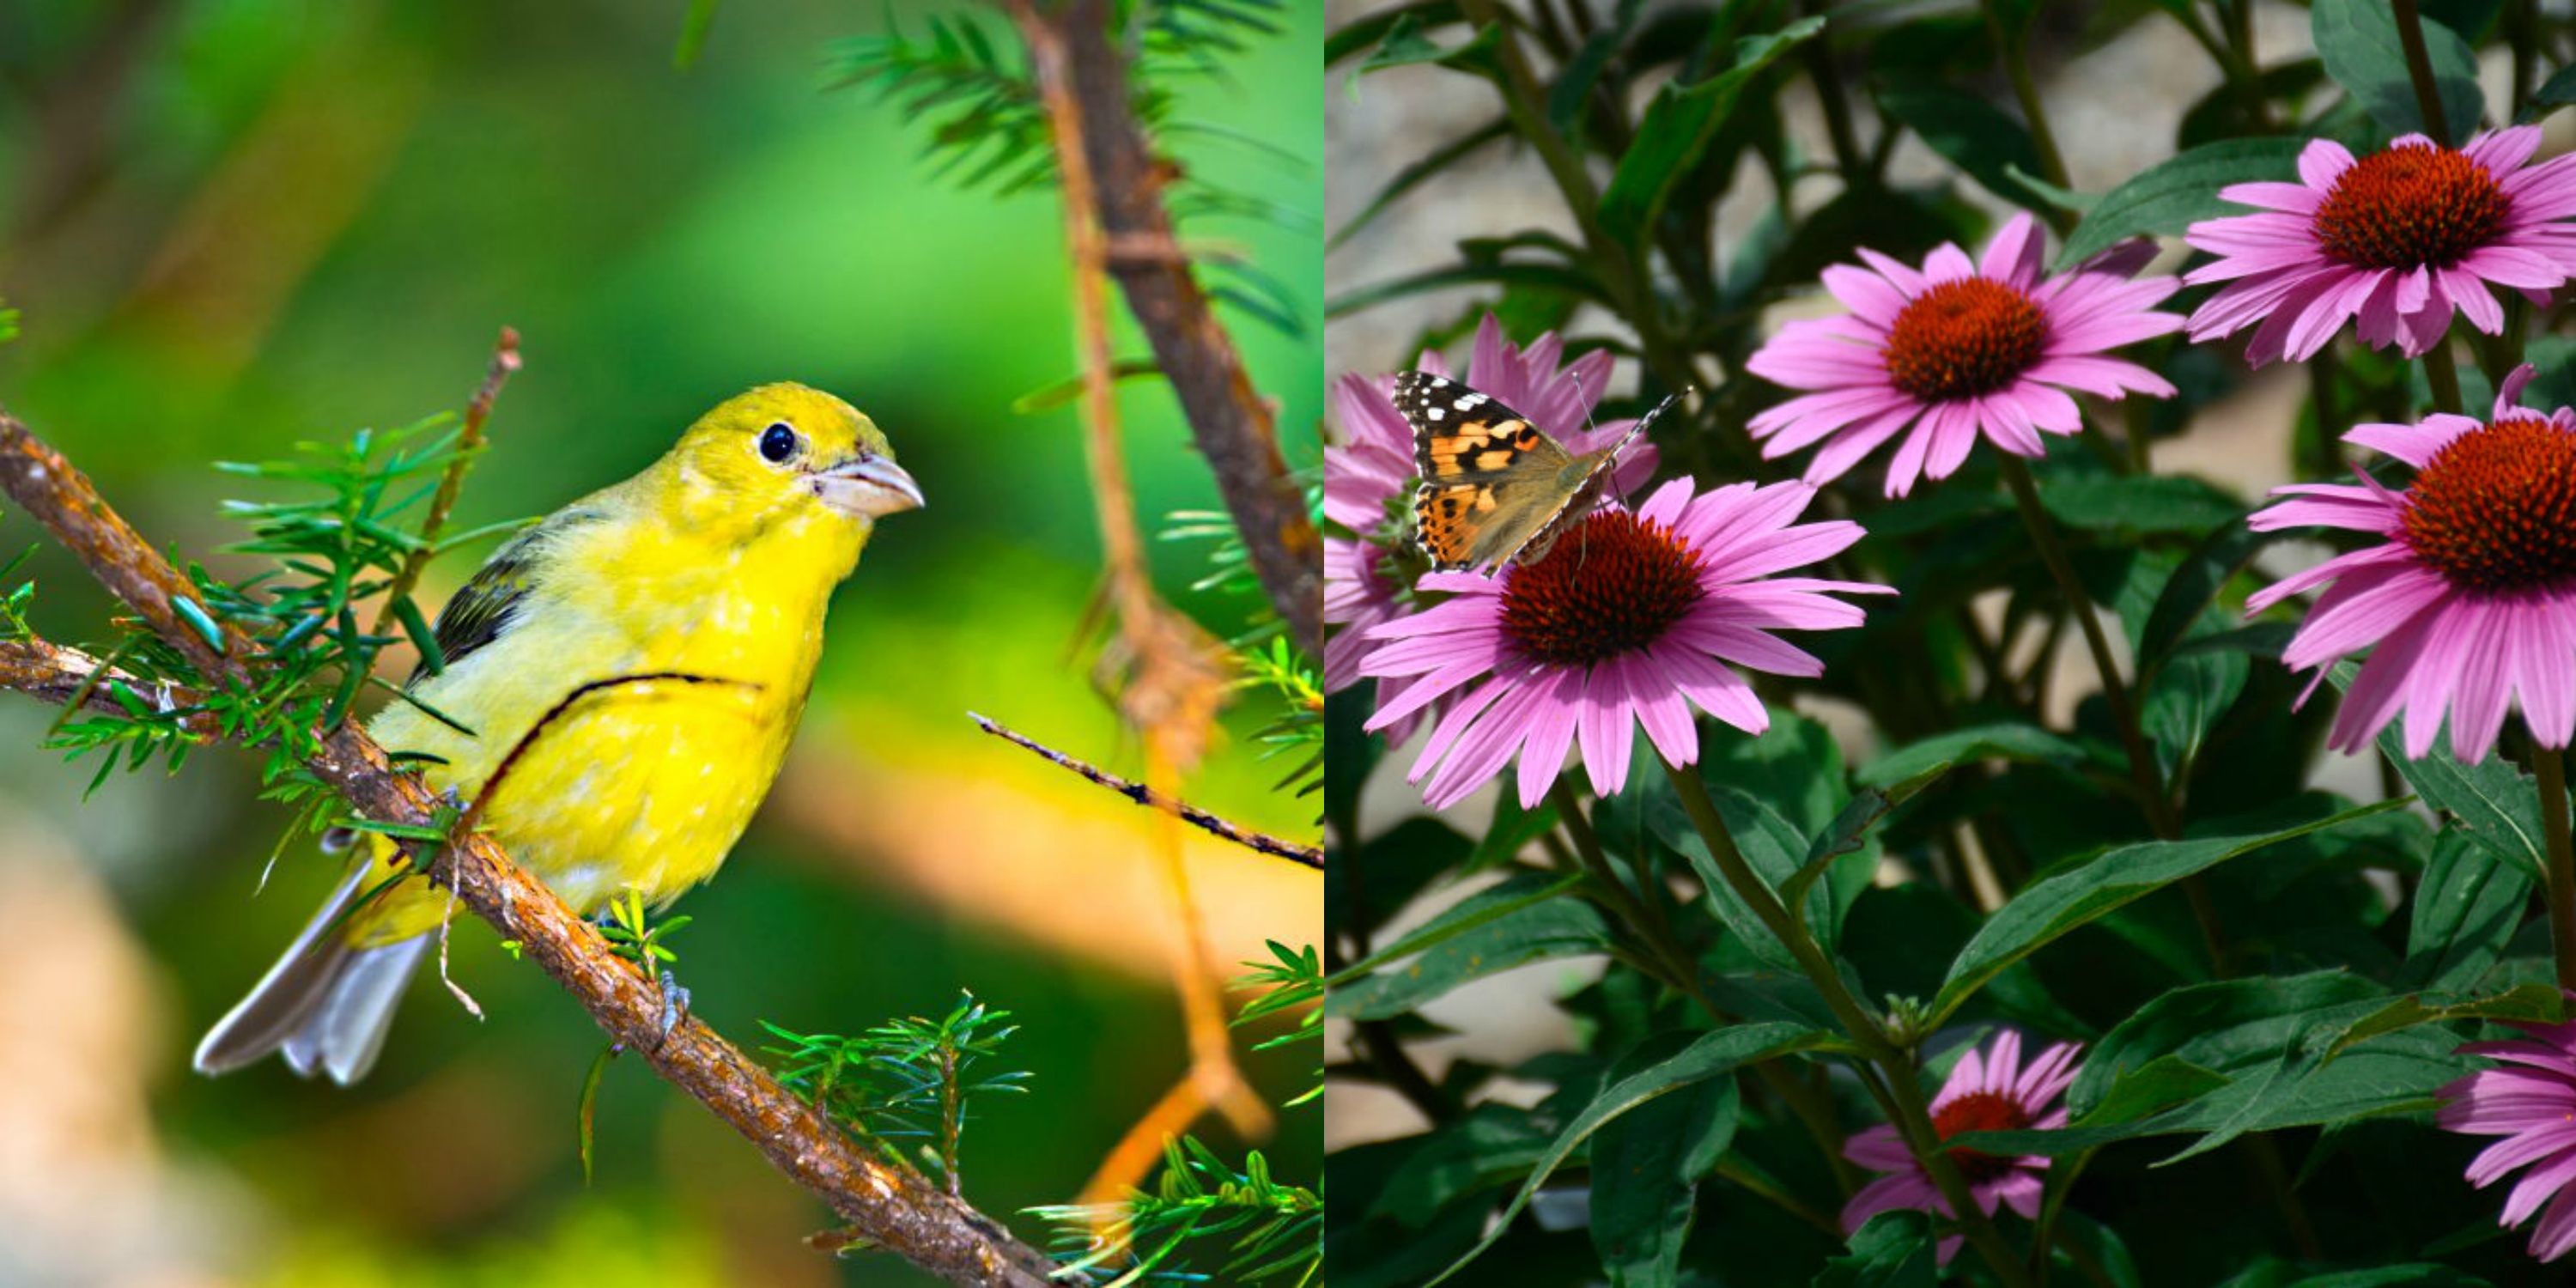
{"x":716,"y":561}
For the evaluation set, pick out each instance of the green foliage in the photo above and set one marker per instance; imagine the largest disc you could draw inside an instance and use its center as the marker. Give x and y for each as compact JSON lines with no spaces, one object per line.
{"x":2359,"y":42}
{"x":973,"y":83}
{"x":332,"y":553}
{"x":1272,"y":1231}
{"x":2268,"y":956}
{"x":1263,"y":654}
{"x":1293,"y":980}
{"x":15,"y":600}
{"x":633,"y":934}
{"x":908,"y":1082}
{"x":992,"y":127}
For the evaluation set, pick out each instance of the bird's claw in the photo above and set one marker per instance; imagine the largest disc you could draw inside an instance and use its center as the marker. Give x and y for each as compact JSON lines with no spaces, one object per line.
{"x":675,"y":1004}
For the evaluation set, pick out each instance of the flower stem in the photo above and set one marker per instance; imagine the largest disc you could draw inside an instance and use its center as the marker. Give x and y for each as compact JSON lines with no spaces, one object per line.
{"x":2016,"y":55}
{"x":2442,"y":372}
{"x":1665,"y":958}
{"x":2550,"y":764}
{"x":2243,"y":67}
{"x":2115,"y":693}
{"x":2419,"y":69}
{"x":1910,"y":1113}
{"x":2321,"y":382}
{"x":1623,"y":269}
{"x":1819,"y":54}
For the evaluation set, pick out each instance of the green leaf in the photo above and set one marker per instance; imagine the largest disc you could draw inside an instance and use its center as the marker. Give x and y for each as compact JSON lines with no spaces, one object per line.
{"x":2171,"y":196}
{"x":2135,"y":1095}
{"x":1512,"y":829}
{"x":2270,"y":1039}
{"x":2053,"y":905}
{"x":1491,"y":1144}
{"x":2184,"y":701}
{"x":2193,"y":587}
{"x":2359,"y":42}
{"x":1483,"y":908}
{"x":2535,"y":1003}
{"x":1678,"y":125}
{"x":1416,"y":174}
{"x":2467,"y":904}
{"x":1895,"y":1249}
{"x":2224,"y":1028}
{"x":2413,"y":1275}
{"x":1540,"y":932}
{"x":1847,"y":834}
{"x":1405,"y":45}
{"x":2110,"y":1259}
{"x":1646,"y":1168}
{"x":1574,"y":81}
{"x":1771,"y":846}
{"x":1709,"y":1056}
{"x":1369,"y":32}
{"x":2140,"y":503}
{"x":2495,"y":803}
{"x":1394,"y":866}
{"x":2028,"y":744}
{"x":693,"y":41}
{"x":1516,"y":273}
{"x":2557,"y":91}
{"x":1974,"y":135}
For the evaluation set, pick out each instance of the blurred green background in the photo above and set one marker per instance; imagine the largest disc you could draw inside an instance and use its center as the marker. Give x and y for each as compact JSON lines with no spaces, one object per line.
{"x":234,"y":224}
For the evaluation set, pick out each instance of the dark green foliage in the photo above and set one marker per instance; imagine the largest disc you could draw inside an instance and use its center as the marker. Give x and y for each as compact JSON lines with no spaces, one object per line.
{"x":1206,"y":1212}
{"x":906,"y":1085}
{"x":2271,"y":953}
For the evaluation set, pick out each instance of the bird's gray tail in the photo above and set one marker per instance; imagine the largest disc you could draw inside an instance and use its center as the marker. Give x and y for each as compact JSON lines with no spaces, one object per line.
{"x":325,"y":1005}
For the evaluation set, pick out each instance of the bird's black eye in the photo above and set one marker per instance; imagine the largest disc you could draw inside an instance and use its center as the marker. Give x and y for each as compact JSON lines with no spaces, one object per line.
{"x":778,"y":442}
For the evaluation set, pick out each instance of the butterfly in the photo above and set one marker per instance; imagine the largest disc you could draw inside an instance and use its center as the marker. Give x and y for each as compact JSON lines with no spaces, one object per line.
{"x":1496,"y":490}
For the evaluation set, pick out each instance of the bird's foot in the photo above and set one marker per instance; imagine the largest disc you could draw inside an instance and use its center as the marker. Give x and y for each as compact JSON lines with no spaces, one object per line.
{"x":675,"y":1004}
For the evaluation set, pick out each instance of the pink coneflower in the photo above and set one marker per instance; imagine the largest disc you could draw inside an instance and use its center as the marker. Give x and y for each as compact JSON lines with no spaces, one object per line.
{"x":1627,"y":621}
{"x":2471,"y":599}
{"x":2398,"y":239}
{"x":1958,"y":350}
{"x":1369,"y":474}
{"x":2532,"y":1104}
{"x":1994,"y":1093}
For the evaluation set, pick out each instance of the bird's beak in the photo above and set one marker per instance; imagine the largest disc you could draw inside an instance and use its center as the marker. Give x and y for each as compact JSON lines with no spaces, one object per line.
{"x":867,"y":486}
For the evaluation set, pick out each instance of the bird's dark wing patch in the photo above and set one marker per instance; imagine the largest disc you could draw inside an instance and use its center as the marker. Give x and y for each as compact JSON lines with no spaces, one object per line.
{"x":481,"y":610}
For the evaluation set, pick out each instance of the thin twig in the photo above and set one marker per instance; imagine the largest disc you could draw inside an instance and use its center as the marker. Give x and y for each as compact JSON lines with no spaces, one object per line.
{"x":895,"y":1207}
{"x":469,"y":441}
{"x":60,"y":675}
{"x":1310,"y":855}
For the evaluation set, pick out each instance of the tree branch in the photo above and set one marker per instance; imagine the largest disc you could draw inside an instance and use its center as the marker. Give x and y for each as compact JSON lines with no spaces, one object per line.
{"x":1232,"y":424}
{"x":892,"y":1207}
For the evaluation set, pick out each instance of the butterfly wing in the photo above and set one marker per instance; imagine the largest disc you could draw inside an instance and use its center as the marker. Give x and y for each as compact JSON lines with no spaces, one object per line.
{"x":1579,"y":500}
{"x":1488,"y":474}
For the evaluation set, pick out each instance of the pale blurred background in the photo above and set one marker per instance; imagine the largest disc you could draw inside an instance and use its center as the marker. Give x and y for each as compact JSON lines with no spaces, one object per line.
{"x":233,"y":224}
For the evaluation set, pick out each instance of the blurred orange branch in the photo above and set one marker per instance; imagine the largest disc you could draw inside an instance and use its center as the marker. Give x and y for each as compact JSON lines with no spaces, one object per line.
{"x":893,"y":1207}
{"x":1177,"y":679}
{"x":1122,"y":191}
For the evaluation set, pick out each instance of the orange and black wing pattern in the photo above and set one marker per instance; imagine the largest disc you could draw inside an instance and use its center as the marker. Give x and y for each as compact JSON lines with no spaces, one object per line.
{"x":1478,"y":460}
